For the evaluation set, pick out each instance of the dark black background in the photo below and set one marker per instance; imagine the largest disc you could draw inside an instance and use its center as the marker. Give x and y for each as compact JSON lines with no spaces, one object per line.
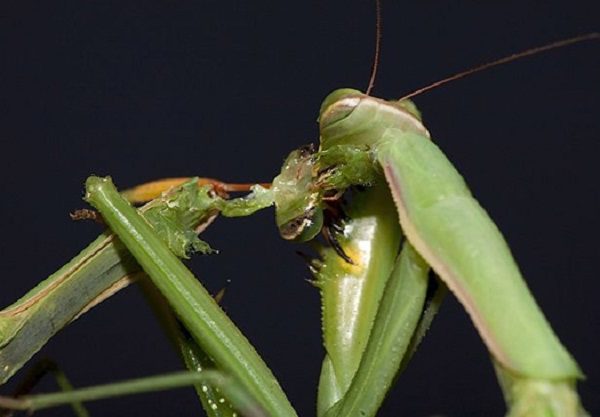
{"x":142,"y":90}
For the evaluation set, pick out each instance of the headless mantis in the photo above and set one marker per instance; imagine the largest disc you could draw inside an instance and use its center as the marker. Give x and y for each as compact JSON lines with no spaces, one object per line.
{"x":310,"y":210}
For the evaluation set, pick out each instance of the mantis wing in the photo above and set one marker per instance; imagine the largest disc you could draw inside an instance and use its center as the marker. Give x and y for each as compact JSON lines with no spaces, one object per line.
{"x":462,"y":244}
{"x":458,"y":239}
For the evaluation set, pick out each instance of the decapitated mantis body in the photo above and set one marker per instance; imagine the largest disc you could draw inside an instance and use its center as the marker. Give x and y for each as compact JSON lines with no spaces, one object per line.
{"x":348,"y":251}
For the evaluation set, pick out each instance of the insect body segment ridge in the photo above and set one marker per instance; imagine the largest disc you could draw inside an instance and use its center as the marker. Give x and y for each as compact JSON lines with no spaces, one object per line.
{"x":358,"y":119}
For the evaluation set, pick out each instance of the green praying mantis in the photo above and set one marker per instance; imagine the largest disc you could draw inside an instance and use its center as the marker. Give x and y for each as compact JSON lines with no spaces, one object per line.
{"x":408,"y":211}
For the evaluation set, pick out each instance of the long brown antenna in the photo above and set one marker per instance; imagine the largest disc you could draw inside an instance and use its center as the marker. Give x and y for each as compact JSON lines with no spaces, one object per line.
{"x":513,"y":57}
{"x":377,"y":46}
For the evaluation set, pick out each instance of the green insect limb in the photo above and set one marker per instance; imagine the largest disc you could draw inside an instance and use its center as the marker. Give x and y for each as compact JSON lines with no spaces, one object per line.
{"x":98,"y":272}
{"x":208,"y":324}
{"x":466,"y":248}
{"x":399,"y":314}
{"x":174,"y":222}
{"x":351,"y":291}
{"x":232,"y":389}
{"x":32,"y":378}
{"x":106,"y":266}
{"x":454,"y":235}
{"x":436,"y":292}
{"x":539,"y":397}
{"x":214,"y":400}
{"x":65,"y":385}
{"x":258,"y":199}
{"x":195,"y":359}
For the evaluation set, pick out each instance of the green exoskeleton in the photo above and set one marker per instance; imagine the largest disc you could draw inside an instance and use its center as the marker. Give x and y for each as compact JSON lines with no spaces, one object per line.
{"x":450,"y":231}
{"x":409,"y":211}
{"x":400,"y":225}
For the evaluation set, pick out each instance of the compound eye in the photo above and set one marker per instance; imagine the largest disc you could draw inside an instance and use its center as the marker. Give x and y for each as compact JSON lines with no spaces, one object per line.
{"x":338,"y":105}
{"x":305,"y":227}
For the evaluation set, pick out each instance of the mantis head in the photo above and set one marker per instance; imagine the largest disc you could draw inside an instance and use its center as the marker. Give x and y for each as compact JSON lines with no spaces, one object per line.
{"x":350,"y":117}
{"x":297,"y":201}
{"x":344,"y":159}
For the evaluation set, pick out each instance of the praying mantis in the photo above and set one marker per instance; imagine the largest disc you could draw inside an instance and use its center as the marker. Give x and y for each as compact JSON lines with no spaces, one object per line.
{"x":438,"y":135}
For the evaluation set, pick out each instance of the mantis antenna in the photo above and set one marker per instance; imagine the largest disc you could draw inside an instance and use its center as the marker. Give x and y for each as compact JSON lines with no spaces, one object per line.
{"x":377,"y":46}
{"x":505,"y":60}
